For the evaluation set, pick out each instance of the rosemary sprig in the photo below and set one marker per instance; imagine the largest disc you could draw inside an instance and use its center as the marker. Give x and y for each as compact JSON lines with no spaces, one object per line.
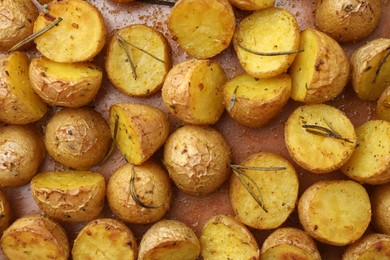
{"x":276,"y":53}
{"x":255,"y":168}
{"x":116,"y":123}
{"x":134,"y":194}
{"x":157,"y":2}
{"x":35,"y":35}
{"x":381,"y":63}
{"x":146,"y":52}
{"x":123,"y":45}
{"x":233,"y":100}
{"x":325,"y":131}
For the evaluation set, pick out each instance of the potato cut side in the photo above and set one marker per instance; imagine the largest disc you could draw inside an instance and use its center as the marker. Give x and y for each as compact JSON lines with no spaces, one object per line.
{"x":370,"y":162}
{"x":224,"y":237}
{"x":18,"y":102}
{"x":320,"y":138}
{"x":105,"y":239}
{"x":203,"y":28}
{"x":138,"y":130}
{"x":269,"y":31}
{"x":383,"y":106}
{"x":278,"y":191}
{"x":253,"y":102}
{"x":65,"y":84}
{"x":80,"y":36}
{"x":149,"y":53}
{"x":252,"y":4}
{"x":372,"y":246}
{"x":335,"y":212}
{"x":285,"y":251}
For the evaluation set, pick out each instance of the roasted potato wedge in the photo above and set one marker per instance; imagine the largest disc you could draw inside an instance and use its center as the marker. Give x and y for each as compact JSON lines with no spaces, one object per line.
{"x":193,"y":91}
{"x":140,"y":194}
{"x":253,"y":102}
{"x":372,"y":246}
{"x":138,"y":130}
{"x":224,"y":237}
{"x":335,"y":212}
{"x":383,"y":106}
{"x":321,"y":71}
{"x":35,"y":237}
{"x":268,"y":32}
{"x":380,"y":203}
{"x":252,"y":4}
{"x":18,"y":102}
{"x":65,"y":84}
{"x":104,"y":239}
{"x":169,"y":239}
{"x":5,"y":213}
{"x":320,"y":138}
{"x":80,"y":35}
{"x":71,"y":196}
{"x":253,"y":193}
{"x":197,"y":159}
{"x":370,"y":162}
{"x":203,"y":28}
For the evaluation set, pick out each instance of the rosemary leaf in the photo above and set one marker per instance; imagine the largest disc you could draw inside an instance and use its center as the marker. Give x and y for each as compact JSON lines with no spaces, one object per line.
{"x":233,"y":100}
{"x":146,"y":52}
{"x":158,"y":2}
{"x":323,"y":131}
{"x":276,"y":53}
{"x":134,"y":194}
{"x":113,"y":139}
{"x":122,"y":43}
{"x":254,"y":168}
{"x":383,"y":60}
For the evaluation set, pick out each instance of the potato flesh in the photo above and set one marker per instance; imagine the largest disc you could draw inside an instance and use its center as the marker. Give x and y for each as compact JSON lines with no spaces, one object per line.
{"x":173,"y":250}
{"x":67,"y":181}
{"x":285,"y":251}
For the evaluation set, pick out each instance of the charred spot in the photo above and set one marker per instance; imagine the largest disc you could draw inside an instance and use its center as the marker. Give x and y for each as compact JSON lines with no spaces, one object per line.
{"x":107,"y":227}
{"x":201,"y":86}
{"x":70,"y":132}
{"x":378,"y":247}
{"x":75,"y":25}
{"x":315,"y":227}
{"x":6,"y":72}
{"x":368,"y":68}
{"x":130,"y":244}
{"x":49,"y":17}
{"x":175,"y":38}
{"x":318,"y":65}
{"x":348,"y":8}
{"x":89,"y":233}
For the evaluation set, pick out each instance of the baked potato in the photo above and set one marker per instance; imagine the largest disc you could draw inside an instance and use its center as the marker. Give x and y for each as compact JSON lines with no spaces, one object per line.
{"x":18,"y":102}
{"x":35,"y":237}
{"x":192,"y":91}
{"x":261,"y":39}
{"x":224,"y":237}
{"x":140,"y":194}
{"x":253,"y":102}
{"x":335,"y":212}
{"x":372,"y":246}
{"x":169,"y":239}
{"x":383,"y":105}
{"x":5,"y":213}
{"x":380,"y":203}
{"x":138,"y":130}
{"x":104,"y":239}
{"x":320,"y":138}
{"x":203,"y":28}
{"x":22,"y":151}
{"x":71,"y":196}
{"x":252,"y":4}
{"x":321,"y":71}
{"x":77,"y":137}
{"x":65,"y":84}
{"x":197,"y":159}
{"x":370,"y":162}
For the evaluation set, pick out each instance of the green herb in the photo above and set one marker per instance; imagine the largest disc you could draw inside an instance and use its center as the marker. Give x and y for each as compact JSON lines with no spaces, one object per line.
{"x":325,"y":131}
{"x":167,"y":3}
{"x":381,"y":63}
{"x":146,"y":52}
{"x":134,"y":194}
{"x":123,"y":45}
{"x":276,"y":53}
{"x":233,"y":100}
{"x":116,"y":123}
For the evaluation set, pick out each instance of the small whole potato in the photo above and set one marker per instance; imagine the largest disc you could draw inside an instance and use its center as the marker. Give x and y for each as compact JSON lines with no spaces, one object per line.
{"x":380,"y":202}
{"x":5,"y":213}
{"x":372,"y":246}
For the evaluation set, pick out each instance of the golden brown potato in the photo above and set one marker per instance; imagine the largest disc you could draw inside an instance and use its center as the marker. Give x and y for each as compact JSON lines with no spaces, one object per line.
{"x":18,"y":102}
{"x":203,"y":28}
{"x":348,"y":20}
{"x":268,"y":31}
{"x":335,"y":212}
{"x":252,"y":4}
{"x":320,"y":138}
{"x":289,"y":243}
{"x":370,"y":162}
{"x":65,"y":84}
{"x":77,"y":137}
{"x":371,"y":69}
{"x":71,"y":196}
{"x":148,"y":52}
{"x":138,"y":130}
{"x":192,"y":91}
{"x":169,"y":239}
{"x":270,"y":206}
{"x":5,"y":213}
{"x":104,"y":239}
{"x":79,"y":37}
{"x":383,"y":106}
{"x":197,"y":159}
{"x":140,"y":194}
{"x":224,"y":237}
{"x":22,"y":151}
{"x":380,"y":203}
{"x":253,"y":102}
{"x":17,"y":21}
{"x":35,"y":237}
{"x":372,"y":246}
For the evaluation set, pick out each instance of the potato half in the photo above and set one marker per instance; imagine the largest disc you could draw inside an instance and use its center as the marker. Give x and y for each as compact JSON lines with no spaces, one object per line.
{"x":79,"y":37}
{"x":321,"y":71}
{"x":383,"y":105}
{"x":71,"y":196}
{"x":224,"y":237}
{"x":65,"y":84}
{"x":193,"y":91}
{"x":335,"y":212}
{"x":277,"y":184}
{"x":253,"y":102}
{"x":372,"y":246}
{"x":18,"y":102}
{"x":320,"y":138}
{"x":203,"y":28}
{"x":252,"y":4}
{"x":169,"y":239}
{"x":104,"y":239}
{"x":268,"y":31}
{"x":35,"y":237}
{"x":149,"y":53}
{"x":138,"y":130}
{"x":5,"y":213}
{"x":380,"y":202}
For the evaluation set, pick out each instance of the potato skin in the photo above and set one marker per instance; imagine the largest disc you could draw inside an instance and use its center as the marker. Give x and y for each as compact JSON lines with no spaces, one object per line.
{"x":22,"y":151}
{"x":372,"y":246}
{"x":380,"y":202}
{"x":5,"y":213}
{"x":383,"y":105}
{"x":252,"y":4}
